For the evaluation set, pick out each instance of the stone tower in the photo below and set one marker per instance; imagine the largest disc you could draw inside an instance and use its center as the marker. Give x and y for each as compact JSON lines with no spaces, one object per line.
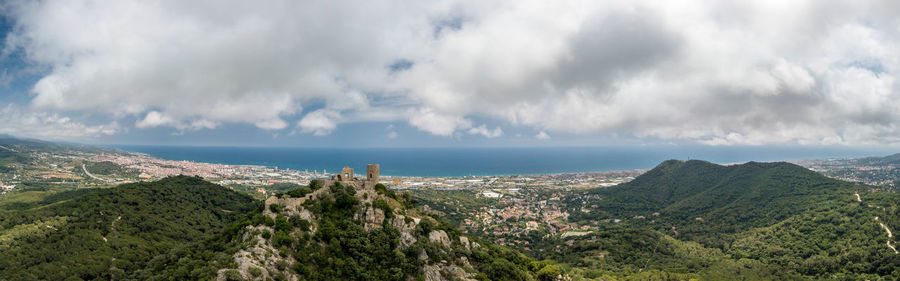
{"x":346,"y":174}
{"x":372,"y":173}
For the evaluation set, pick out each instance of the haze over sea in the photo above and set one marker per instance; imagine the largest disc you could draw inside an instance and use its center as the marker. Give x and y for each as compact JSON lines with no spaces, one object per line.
{"x":444,"y":162}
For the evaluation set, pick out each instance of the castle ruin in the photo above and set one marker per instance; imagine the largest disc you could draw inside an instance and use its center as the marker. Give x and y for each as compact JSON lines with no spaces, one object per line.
{"x":346,"y":176}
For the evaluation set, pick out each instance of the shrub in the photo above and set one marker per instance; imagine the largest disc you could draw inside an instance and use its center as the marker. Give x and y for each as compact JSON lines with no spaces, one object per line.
{"x":282,"y":224}
{"x":275,"y":208}
{"x":282,"y":239}
{"x":255,"y":271}
{"x":300,"y":191}
{"x":382,"y":189}
{"x":233,"y":275}
{"x":548,"y":273}
{"x":297,"y":221}
{"x":281,"y":264}
{"x":315,"y":185}
{"x":381,"y":204}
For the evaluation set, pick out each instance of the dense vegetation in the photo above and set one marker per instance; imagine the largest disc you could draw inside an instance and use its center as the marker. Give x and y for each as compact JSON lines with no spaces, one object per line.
{"x":706,"y":201}
{"x":694,"y":220}
{"x":759,"y":221}
{"x":112,"y":233}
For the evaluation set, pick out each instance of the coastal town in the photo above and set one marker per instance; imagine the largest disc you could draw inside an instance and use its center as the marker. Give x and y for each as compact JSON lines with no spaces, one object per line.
{"x":869,"y":170}
{"x":516,"y":210}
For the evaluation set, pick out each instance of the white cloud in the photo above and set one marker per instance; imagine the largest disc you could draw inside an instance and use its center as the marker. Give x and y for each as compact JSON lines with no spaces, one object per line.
{"x":712,"y":72}
{"x":320,"y":122}
{"x":154,"y":119}
{"x":429,"y":120}
{"x":21,"y":122}
{"x":542,"y":136}
{"x":484,"y":131}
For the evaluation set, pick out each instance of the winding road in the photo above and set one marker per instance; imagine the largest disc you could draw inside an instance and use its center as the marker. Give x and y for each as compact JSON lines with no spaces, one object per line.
{"x":888,"y":230}
{"x":91,"y":175}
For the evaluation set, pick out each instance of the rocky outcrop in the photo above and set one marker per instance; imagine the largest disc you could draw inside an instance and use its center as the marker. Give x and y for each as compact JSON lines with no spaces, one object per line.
{"x":440,"y":272}
{"x":432,"y":273}
{"x":290,"y":205}
{"x":465,"y":243}
{"x":259,"y":259}
{"x":406,"y":230}
{"x":439,"y":236}
{"x":372,"y":218}
{"x":259,"y":254}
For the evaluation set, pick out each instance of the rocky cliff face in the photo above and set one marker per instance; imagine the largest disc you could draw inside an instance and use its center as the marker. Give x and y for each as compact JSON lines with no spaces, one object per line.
{"x":340,"y":232}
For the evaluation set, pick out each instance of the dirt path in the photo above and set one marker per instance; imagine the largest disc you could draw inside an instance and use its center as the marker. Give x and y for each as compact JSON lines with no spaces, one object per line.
{"x":890,"y":235}
{"x":112,"y":227}
{"x":885,"y":228}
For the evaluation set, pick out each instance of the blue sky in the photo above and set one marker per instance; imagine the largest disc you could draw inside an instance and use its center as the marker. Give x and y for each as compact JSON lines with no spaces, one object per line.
{"x":452,"y":73}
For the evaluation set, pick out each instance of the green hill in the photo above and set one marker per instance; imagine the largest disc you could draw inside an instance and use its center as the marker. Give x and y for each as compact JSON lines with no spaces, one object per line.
{"x":880,"y":161}
{"x":705,"y":198}
{"x":356,"y":231}
{"x":113,"y":233}
{"x":754,"y":221}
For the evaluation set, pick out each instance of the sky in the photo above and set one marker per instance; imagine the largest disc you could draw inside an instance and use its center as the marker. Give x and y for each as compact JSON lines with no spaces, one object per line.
{"x":452,"y":73}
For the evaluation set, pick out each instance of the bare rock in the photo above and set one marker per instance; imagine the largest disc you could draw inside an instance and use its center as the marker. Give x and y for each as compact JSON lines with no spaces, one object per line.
{"x":439,"y":236}
{"x":423,"y":256}
{"x":406,"y":230}
{"x":465,"y":242}
{"x":433,"y":273}
{"x":457,"y":273}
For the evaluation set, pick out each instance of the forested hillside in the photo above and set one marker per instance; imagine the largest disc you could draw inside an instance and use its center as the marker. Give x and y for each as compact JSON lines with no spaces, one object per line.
{"x":755,"y":221}
{"x":705,"y":199}
{"x":113,"y":233}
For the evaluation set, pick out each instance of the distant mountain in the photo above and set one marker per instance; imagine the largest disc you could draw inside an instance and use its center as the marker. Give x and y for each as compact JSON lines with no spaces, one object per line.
{"x":105,"y":234}
{"x":880,"y":161}
{"x":754,"y":221}
{"x":723,"y":199}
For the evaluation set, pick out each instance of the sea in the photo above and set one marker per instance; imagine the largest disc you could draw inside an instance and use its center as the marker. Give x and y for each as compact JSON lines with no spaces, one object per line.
{"x":460,"y":162}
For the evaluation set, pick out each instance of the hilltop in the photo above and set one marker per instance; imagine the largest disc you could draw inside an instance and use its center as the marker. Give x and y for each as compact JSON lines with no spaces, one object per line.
{"x":347,"y":229}
{"x":724,"y":199}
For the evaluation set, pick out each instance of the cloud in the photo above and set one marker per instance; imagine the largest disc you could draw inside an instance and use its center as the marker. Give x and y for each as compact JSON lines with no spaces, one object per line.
{"x":712,"y":72}
{"x":542,"y":136}
{"x":21,"y":122}
{"x":484,"y":131}
{"x":429,"y":120}
{"x":156,"y":119}
{"x":320,"y":122}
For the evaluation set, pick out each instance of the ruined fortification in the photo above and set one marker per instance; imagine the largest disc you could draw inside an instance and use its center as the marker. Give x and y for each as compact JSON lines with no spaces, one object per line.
{"x":347,"y":177}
